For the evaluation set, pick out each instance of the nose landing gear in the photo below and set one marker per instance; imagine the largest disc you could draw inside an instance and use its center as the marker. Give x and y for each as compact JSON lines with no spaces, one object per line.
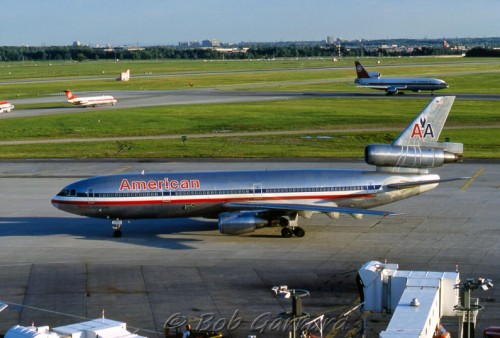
{"x":117,"y":227}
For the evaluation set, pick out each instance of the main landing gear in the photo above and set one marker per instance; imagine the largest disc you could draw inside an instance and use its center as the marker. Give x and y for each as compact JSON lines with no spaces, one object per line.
{"x":288,"y":232}
{"x":290,"y":228}
{"x":117,"y":227}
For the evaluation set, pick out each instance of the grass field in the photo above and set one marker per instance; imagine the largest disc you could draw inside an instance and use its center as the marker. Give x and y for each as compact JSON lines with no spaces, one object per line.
{"x":475,"y":123}
{"x":464,"y":76}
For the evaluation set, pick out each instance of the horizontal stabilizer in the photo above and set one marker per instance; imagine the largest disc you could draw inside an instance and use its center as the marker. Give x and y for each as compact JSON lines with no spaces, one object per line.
{"x":404,"y":185}
{"x":307,"y":207}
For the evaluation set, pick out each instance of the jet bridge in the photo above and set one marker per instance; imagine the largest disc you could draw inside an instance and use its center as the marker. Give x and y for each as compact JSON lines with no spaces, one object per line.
{"x":97,"y":328}
{"x":417,"y":299}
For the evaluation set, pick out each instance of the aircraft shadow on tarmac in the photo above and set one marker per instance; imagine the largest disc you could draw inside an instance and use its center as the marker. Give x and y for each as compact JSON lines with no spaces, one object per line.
{"x":160,"y":233}
{"x":49,"y":107}
{"x":151,"y":233}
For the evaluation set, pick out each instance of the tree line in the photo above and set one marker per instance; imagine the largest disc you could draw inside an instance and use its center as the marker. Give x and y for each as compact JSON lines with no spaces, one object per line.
{"x":83,"y":53}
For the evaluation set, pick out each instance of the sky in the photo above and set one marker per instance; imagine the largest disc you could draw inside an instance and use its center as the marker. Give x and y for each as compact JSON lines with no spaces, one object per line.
{"x":167,"y":22}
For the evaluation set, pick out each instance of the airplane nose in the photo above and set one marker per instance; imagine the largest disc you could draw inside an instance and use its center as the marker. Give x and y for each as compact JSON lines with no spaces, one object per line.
{"x":55,"y":203}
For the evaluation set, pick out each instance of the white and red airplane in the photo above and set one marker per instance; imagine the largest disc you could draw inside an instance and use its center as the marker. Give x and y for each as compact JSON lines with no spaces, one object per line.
{"x":5,"y":107}
{"x":91,"y":101}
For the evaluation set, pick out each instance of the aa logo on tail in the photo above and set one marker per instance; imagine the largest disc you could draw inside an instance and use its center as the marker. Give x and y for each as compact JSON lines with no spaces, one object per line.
{"x":422,"y":129}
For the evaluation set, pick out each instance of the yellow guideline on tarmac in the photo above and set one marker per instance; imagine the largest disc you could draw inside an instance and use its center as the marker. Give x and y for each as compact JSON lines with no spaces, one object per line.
{"x":472,"y":179}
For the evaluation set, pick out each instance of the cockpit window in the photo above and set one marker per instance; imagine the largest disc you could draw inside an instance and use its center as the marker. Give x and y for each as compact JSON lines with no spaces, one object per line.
{"x":67,"y":192}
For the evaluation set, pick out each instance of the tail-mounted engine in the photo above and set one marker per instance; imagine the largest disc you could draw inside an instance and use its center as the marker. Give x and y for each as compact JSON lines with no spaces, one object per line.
{"x":385,"y":155}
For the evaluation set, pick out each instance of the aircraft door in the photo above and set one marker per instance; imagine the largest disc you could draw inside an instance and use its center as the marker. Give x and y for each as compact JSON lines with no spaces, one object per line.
{"x":90,"y":196}
{"x":257,"y":190}
{"x":166,"y":195}
{"x":371,"y":187}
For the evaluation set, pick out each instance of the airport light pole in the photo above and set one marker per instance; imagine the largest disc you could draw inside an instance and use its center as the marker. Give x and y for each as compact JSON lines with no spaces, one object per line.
{"x":471,"y":310}
{"x":284,"y":292}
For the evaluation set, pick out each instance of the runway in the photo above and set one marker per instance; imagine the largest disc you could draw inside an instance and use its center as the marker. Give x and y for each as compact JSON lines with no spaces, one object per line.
{"x":136,"y":99}
{"x":71,"y":265}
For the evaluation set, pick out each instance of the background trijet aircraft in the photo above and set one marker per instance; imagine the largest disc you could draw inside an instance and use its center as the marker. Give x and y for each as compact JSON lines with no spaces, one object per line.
{"x":91,"y":101}
{"x":395,"y":85}
{"x":246,"y":200}
{"x":5,"y":107}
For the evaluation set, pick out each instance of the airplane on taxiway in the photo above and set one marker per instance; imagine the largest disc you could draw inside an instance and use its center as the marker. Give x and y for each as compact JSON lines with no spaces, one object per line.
{"x":91,"y":101}
{"x":395,"y":85}
{"x":246,"y":200}
{"x":5,"y":107}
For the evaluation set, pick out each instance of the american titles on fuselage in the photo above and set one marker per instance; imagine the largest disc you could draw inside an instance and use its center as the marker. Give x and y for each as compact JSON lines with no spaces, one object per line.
{"x":163,"y":184}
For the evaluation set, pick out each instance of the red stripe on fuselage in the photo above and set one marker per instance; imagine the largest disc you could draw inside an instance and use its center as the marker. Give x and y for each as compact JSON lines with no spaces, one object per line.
{"x":125,"y":201}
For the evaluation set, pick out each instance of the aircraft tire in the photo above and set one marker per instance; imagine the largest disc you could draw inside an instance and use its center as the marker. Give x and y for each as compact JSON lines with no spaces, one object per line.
{"x":286,"y":232}
{"x":299,"y":232}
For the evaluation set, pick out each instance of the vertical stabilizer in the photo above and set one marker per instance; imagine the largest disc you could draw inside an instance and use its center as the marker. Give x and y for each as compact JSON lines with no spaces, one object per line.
{"x":69,"y":94}
{"x":361,"y":71}
{"x":427,"y":126}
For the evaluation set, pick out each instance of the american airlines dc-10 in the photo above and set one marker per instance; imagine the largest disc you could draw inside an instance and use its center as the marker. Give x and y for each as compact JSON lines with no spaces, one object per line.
{"x":246,"y":200}
{"x":395,"y":85}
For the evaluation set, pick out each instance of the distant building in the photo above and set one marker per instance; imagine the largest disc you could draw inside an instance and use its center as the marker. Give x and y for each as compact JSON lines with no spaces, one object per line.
{"x":210,"y":43}
{"x":135,"y":49}
{"x":190,"y":44}
{"x":77,"y":43}
{"x":232,"y":50}
{"x":390,"y":48}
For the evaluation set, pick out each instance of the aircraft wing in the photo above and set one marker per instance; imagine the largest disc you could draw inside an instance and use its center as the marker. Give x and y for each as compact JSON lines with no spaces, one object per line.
{"x":382,"y":86}
{"x":305,"y":207}
{"x":393,"y":89}
{"x":373,"y":86}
